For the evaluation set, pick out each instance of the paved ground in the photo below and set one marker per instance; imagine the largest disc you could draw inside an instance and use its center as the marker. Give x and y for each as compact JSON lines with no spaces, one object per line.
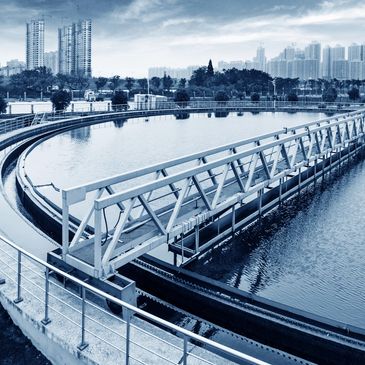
{"x":16,"y":349}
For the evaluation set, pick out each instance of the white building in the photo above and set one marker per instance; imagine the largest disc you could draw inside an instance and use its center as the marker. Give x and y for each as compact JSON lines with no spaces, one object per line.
{"x":12,"y":67}
{"x":74,"y":49}
{"x":260,"y":59}
{"x":356,"y":70}
{"x":355,"y":52}
{"x":313,"y":51}
{"x":175,"y":73}
{"x":340,"y":69}
{"x":51,"y":61}
{"x":35,"y":44}
{"x":149,"y":101}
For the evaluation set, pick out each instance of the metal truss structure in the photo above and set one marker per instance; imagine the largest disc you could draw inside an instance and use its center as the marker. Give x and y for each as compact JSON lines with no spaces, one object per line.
{"x":130,"y":214}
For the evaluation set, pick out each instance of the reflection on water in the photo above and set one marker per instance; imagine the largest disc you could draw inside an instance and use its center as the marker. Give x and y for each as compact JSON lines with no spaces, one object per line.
{"x":80,"y":134}
{"x":309,"y":255}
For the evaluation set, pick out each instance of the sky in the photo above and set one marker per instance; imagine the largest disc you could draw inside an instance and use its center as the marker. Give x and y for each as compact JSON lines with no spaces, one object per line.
{"x":129,"y":36}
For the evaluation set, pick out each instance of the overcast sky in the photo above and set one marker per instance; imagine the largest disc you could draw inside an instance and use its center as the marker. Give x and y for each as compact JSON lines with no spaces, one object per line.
{"x":131,"y":35}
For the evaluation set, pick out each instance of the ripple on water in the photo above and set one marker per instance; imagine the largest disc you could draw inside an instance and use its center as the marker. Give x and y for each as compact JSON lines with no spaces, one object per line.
{"x":310,"y":256}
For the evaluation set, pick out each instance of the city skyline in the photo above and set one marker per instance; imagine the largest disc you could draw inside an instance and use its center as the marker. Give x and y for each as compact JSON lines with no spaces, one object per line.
{"x":131,"y":36}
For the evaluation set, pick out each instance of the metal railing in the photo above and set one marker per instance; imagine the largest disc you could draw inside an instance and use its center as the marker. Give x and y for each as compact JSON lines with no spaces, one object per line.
{"x":32,"y":279}
{"x":137,"y":110}
{"x":100,"y":107}
{"x":11,"y":124}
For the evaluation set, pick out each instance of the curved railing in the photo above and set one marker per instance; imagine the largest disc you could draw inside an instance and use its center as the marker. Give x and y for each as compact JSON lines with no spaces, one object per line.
{"x":32,"y":278}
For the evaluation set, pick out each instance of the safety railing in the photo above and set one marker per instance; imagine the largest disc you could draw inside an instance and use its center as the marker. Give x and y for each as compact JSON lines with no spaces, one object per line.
{"x":31,"y":280}
{"x":107,"y":106}
{"x":131,"y":110}
{"x":8,"y":125}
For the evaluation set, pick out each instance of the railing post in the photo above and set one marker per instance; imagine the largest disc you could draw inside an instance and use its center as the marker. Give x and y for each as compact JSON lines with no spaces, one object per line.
{"x":185,"y":349}
{"x":127,"y":337}
{"x":83,"y":344}
{"x":233,"y":219}
{"x":182,"y":247}
{"x":19,"y":279}
{"x":197,"y":231}
{"x":46,"y":319}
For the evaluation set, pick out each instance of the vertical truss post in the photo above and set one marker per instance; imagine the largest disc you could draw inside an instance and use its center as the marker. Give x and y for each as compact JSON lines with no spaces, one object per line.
{"x":65,"y":225}
{"x":315,"y":171}
{"x":260,"y":192}
{"x":233,"y":219}
{"x":97,"y":242}
{"x":281,"y":181}
{"x":197,"y":238}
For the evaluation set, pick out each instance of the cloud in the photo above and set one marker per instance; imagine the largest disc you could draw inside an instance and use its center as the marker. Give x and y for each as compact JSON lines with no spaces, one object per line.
{"x":144,"y":10}
{"x":131,"y":35}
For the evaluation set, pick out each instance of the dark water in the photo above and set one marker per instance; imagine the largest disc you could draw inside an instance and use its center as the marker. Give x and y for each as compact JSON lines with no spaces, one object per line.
{"x":311,"y":257}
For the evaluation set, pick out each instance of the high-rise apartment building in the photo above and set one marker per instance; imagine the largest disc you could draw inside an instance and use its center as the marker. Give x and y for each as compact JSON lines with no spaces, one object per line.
{"x":51,"y":61}
{"x":260,"y":59}
{"x":340,"y":69}
{"x":313,"y":51}
{"x":334,"y":63}
{"x":74,"y":49}
{"x":355,"y":52}
{"x":83,"y":48}
{"x":35,"y":44}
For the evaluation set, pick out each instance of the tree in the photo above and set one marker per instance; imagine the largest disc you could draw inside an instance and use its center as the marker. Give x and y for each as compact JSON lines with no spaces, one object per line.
{"x":32,"y":81}
{"x":182,"y":97}
{"x":79,"y":82}
{"x":221,"y":97}
{"x":129,"y":82}
{"x":114,"y":82}
{"x":100,"y":82}
{"x":155,"y":82}
{"x":182,"y":83}
{"x":142,"y":83}
{"x":167,"y":82}
{"x":3,"y":105}
{"x":61,"y":99}
{"x":255,"y":97}
{"x":354,"y":93}
{"x":119,"y":101}
{"x":330,"y":95}
{"x":199,"y":77}
{"x":292,"y":97}
{"x":210,"y":69}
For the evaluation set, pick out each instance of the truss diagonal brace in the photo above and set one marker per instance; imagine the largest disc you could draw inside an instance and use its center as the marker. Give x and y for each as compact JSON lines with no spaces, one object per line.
{"x":202,"y":193}
{"x":152,"y":214}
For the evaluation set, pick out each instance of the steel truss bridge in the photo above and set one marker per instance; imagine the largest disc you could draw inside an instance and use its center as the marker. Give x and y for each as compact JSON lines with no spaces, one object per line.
{"x":130,"y":214}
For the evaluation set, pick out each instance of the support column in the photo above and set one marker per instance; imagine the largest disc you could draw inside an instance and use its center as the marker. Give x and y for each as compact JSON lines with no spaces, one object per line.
{"x":197,"y":238}
{"x":233,"y":219}
{"x":260,"y":192}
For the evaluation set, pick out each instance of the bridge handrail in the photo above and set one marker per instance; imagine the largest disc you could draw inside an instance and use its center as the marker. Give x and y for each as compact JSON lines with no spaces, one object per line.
{"x":186,"y":334}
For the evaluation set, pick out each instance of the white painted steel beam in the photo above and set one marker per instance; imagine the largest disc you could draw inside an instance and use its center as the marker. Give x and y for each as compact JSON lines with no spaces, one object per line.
{"x":253,"y":164}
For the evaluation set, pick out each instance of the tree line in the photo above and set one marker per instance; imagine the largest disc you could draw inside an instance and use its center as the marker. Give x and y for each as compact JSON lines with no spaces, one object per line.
{"x":205,"y":82}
